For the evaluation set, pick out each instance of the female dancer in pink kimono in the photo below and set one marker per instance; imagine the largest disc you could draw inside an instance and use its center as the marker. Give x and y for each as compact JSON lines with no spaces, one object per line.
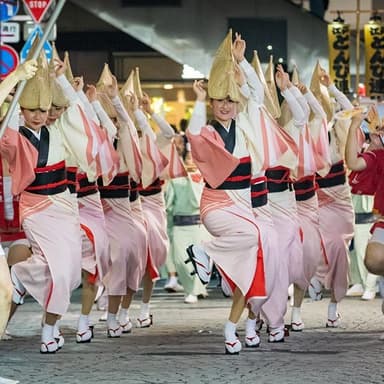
{"x":335,"y":211}
{"x":152,"y":200}
{"x":46,"y":209}
{"x":128,"y":253}
{"x":95,"y":242}
{"x":23,"y":72}
{"x":273,"y":144}
{"x":223,"y":157}
{"x":313,"y":156}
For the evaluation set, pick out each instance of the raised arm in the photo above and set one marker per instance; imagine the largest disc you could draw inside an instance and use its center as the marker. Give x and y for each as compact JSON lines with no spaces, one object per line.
{"x":105,"y":121}
{"x":354,"y":162}
{"x":24,"y":71}
{"x":283,"y":83}
{"x":199,"y":115}
{"x":166,"y":130}
{"x":300,"y":92}
{"x":253,"y":81}
{"x":339,"y":96}
{"x":141,"y":119}
{"x":315,"y":106}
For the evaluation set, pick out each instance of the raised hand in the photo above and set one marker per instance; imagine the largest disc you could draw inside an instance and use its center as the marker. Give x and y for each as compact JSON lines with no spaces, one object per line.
{"x":91,"y":93}
{"x":112,"y":90}
{"x":324,"y":78}
{"x":26,"y":70}
{"x":146,"y":104}
{"x":78,"y":83}
{"x":60,"y":67}
{"x":238,"y":48}
{"x":282,"y":78}
{"x":198,"y":88}
{"x":302,"y":88}
{"x":133,"y":101}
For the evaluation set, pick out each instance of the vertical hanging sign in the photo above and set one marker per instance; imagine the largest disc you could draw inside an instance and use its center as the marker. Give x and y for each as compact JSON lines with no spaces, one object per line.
{"x":374,"y":58}
{"x":338,"y":44}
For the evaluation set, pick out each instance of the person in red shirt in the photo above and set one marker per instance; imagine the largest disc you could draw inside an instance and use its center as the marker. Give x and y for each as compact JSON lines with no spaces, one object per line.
{"x":369,"y":168}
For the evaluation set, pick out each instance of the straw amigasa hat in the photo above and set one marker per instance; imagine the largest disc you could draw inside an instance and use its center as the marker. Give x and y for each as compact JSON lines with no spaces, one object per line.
{"x":295,"y":79}
{"x":269,"y":102}
{"x":273,"y":104}
{"x":222,"y":83}
{"x":37,"y":92}
{"x":58,"y":97}
{"x":132,"y":85}
{"x":104,"y":81}
{"x":321,"y":93}
{"x":68,"y":71}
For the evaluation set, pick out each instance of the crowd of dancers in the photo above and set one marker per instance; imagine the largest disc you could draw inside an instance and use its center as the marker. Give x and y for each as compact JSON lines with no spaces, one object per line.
{"x":262,"y":191}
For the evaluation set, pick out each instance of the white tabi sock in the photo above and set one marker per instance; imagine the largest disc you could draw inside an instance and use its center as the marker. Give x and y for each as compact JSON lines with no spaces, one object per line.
{"x":111,"y":320}
{"x":296,"y":315}
{"x":56,"y":330}
{"x":123,"y":315}
{"x":83,"y":323}
{"x":144,"y":311}
{"x":47,"y":333}
{"x":172,"y":280}
{"x":230,"y":331}
{"x":250,"y":327}
{"x":332,"y":311}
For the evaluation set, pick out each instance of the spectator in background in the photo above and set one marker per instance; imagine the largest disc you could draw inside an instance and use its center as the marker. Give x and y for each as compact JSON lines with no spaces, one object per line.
{"x":363,"y":283}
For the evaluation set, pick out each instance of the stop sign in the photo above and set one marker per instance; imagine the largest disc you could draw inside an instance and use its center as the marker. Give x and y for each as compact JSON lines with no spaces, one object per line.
{"x":37,"y":8}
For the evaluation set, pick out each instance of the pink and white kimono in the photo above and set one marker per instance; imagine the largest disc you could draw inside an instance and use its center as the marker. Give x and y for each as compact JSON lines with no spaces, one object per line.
{"x":47,"y":212}
{"x":274,"y":146}
{"x":336,"y":210}
{"x":314,"y":156}
{"x":127,"y":235}
{"x":225,"y":206}
{"x":282,"y":198}
{"x":95,"y":243}
{"x":151,"y":194}
{"x":10,"y":226}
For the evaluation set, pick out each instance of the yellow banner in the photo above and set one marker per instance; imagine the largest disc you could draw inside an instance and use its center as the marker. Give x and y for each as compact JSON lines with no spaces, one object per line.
{"x":374,"y":58}
{"x":338,"y":45}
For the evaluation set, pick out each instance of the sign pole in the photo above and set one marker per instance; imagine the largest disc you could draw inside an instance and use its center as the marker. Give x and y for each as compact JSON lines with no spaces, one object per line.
{"x":39,"y":47}
{"x":357,"y":82}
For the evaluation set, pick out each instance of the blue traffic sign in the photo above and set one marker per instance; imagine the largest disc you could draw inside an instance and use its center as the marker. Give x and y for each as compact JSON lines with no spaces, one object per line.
{"x":37,"y":31}
{"x":8,"y":60}
{"x":8,"y":9}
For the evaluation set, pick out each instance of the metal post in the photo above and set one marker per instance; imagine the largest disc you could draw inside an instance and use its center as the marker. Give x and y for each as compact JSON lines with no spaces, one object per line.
{"x":39,"y":47}
{"x":357,"y":48}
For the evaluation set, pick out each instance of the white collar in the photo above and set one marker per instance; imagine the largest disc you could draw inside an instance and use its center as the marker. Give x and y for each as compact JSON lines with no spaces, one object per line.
{"x":36,"y":134}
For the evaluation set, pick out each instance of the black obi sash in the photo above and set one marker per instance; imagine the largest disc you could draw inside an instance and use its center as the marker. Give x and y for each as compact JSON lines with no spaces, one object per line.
{"x":71,"y":178}
{"x":259,"y":192}
{"x":278,"y":179}
{"x":305,"y":188}
{"x":335,"y":176}
{"x":133,"y":191}
{"x":85,"y":187}
{"x":153,"y":189}
{"x":118,"y":188}
{"x":240,"y":178}
{"x":51,"y":179}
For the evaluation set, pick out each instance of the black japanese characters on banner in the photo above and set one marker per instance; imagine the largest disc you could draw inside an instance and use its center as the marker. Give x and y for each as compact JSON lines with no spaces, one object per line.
{"x":339,"y":43}
{"x":374,"y":58}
